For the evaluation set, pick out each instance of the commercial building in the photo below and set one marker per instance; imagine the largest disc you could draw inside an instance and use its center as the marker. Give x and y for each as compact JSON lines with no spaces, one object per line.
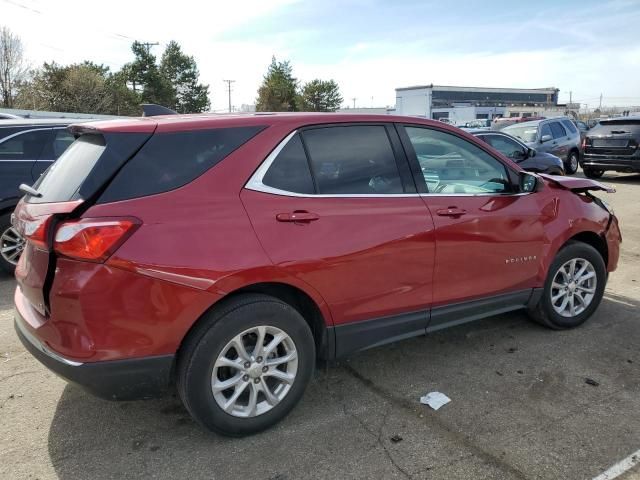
{"x":464,"y":104}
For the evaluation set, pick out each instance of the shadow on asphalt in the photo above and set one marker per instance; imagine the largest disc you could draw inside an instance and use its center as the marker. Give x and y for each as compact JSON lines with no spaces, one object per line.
{"x":92,"y":438}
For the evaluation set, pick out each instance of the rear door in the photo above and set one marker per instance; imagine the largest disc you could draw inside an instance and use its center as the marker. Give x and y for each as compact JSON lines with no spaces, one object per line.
{"x":561,"y":142}
{"x":488,"y":236}
{"x":336,"y":207}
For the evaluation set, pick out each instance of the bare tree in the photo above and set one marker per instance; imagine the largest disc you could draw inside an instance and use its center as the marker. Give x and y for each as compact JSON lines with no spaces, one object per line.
{"x":12,"y":67}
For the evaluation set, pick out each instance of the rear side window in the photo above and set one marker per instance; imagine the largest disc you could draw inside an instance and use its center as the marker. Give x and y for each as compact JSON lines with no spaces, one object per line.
{"x":170,"y":160}
{"x":353,"y":160}
{"x":557,"y":130}
{"x":290,"y":170}
{"x":568,"y":124}
{"x":63,"y":178}
{"x":25,"y":146}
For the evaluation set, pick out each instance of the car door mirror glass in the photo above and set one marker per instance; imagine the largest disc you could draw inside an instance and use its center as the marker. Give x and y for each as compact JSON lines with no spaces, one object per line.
{"x":528,"y":182}
{"x":545,"y":138}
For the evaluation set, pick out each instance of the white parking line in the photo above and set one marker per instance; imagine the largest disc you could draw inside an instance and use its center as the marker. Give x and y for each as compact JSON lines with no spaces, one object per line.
{"x":621,"y":467}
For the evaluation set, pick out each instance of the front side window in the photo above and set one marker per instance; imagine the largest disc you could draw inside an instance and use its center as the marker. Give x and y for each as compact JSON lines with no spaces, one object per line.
{"x":545,"y":131}
{"x":353,"y":160}
{"x":25,"y":146}
{"x":290,"y":170}
{"x":557,"y":130}
{"x":506,"y":146}
{"x":452,"y":165}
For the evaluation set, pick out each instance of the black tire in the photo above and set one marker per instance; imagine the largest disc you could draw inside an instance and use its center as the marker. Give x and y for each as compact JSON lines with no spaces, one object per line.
{"x":593,"y":173}
{"x":571,"y":165}
{"x":205,"y":343}
{"x":5,"y":224}
{"x":544,"y":313}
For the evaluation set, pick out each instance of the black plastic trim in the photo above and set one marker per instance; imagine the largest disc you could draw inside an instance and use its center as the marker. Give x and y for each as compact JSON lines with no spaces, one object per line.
{"x":130,"y":379}
{"x":463,"y":312}
{"x":356,"y":336}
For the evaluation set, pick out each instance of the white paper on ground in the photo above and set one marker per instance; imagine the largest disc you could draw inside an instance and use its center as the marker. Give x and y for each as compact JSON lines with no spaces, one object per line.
{"x":435,"y":400}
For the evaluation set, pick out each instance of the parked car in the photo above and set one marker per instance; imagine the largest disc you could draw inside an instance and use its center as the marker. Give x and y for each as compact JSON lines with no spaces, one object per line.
{"x":613,"y":144}
{"x":480,"y":124}
{"x":528,"y":158}
{"x":502,"y":122}
{"x":583,"y":128}
{"x":27,"y":148}
{"x":224,"y":254}
{"x":558,"y":136}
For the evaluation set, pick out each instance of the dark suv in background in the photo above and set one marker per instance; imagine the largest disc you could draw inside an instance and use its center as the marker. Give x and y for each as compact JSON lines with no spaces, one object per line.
{"x":27,"y":148}
{"x":612,"y":144}
{"x":558,"y":136}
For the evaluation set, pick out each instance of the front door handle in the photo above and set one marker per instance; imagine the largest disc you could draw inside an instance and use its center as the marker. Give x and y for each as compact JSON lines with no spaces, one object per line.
{"x":299,"y":216}
{"x":451,"y":212}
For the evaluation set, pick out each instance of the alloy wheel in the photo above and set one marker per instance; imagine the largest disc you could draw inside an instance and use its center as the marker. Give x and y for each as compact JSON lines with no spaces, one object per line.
{"x":254,"y":371}
{"x":11,"y":245}
{"x":573,"y":287}
{"x":573,"y":163}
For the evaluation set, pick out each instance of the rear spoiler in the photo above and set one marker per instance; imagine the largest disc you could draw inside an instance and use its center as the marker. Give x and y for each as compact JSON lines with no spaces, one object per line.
{"x":578,"y":185}
{"x":153,"y":110}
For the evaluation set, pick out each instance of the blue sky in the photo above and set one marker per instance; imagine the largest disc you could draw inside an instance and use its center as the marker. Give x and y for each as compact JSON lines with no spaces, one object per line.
{"x":369,"y":47}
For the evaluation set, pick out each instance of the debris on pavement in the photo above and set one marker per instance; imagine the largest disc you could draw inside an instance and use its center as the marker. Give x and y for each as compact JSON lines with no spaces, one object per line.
{"x":435,"y":400}
{"x":512,"y":350}
{"x":591,"y":381}
{"x":396,"y":438}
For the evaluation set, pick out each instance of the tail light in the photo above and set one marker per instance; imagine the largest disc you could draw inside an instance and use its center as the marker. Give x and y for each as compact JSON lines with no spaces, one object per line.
{"x":93,"y":239}
{"x":32,"y":220}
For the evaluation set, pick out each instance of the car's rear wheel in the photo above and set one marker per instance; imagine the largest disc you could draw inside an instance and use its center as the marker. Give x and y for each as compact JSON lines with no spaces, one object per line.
{"x":593,"y":173}
{"x":246,"y":365}
{"x":571,"y":166}
{"x":11,"y":245}
{"x":573,"y":289}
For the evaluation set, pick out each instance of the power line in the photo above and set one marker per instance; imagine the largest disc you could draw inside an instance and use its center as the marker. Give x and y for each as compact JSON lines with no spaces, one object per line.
{"x":229,"y":82}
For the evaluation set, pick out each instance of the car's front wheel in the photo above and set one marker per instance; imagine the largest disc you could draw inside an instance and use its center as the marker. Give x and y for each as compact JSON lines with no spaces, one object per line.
{"x":571,"y":166}
{"x":11,"y":245}
{"x":573,"y":289}
{"x":593,"y":173}
{"x":246,"y":365}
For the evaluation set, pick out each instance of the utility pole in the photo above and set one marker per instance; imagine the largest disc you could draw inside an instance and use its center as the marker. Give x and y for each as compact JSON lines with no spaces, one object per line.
{"x":148,"y":45}
{"x":354,"y":102}
{"x":570,"y":96}
{"x":600,"y":106}
{"x":229,"y":82}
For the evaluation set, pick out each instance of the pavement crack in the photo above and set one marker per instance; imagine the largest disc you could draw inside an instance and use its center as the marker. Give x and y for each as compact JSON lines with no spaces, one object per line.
{"x":455,"y":436}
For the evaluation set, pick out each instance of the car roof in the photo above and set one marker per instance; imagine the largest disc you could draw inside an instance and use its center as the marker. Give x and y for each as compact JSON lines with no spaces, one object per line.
{"x":172,"y":123}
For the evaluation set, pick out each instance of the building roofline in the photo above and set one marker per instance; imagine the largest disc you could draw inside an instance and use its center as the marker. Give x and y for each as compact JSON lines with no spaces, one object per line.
{"x":481,"y":89}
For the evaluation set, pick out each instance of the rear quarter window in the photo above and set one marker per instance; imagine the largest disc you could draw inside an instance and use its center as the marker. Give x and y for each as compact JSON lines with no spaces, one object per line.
{"x":170,"y":160}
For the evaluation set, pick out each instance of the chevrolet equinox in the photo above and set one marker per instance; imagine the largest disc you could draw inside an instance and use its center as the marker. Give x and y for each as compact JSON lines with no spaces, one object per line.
{"x":222,"y":254}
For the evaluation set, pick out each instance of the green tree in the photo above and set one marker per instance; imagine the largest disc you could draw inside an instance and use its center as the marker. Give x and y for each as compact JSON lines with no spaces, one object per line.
{"x":320,"y":96}
{"x":181,"y":73}
{"x":278,"y":92}
{"x":80,"y":88}
{"x":144,"y":76}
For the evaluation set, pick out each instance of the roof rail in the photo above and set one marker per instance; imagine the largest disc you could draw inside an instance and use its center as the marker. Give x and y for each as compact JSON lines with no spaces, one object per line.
{"x":152,"y":110}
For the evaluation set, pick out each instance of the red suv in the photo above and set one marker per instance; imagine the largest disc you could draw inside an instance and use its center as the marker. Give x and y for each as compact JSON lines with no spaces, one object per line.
{"x":224,"y":254}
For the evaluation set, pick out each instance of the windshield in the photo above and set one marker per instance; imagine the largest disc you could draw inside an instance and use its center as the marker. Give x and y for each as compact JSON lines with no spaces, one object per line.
{"x":525,"y":133}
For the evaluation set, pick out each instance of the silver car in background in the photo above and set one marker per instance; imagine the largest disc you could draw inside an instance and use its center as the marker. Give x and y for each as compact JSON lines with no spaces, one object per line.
{"x":558,"y":136}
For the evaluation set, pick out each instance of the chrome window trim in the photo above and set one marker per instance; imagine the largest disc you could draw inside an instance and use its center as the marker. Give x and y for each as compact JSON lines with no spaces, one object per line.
{"x":22,"y":132}
{"x":255,"y":184}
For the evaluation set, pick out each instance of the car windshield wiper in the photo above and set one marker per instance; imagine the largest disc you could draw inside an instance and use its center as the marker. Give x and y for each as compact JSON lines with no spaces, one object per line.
{"x":24,"y":188}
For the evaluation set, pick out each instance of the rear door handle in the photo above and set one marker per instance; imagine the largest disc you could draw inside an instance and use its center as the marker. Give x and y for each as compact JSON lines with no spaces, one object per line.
{"x":451,"y":212}
{"x":299,"y":216}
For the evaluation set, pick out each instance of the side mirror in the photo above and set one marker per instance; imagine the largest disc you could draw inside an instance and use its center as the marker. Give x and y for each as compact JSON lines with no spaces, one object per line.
{"x":546,"y":138}
{"x":531,"y":152}
{"x":528,"y":182}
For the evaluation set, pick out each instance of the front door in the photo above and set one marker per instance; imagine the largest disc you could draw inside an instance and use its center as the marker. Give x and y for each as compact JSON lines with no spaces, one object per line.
{"x":488,"y":236}
{"x":345,"y":220}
